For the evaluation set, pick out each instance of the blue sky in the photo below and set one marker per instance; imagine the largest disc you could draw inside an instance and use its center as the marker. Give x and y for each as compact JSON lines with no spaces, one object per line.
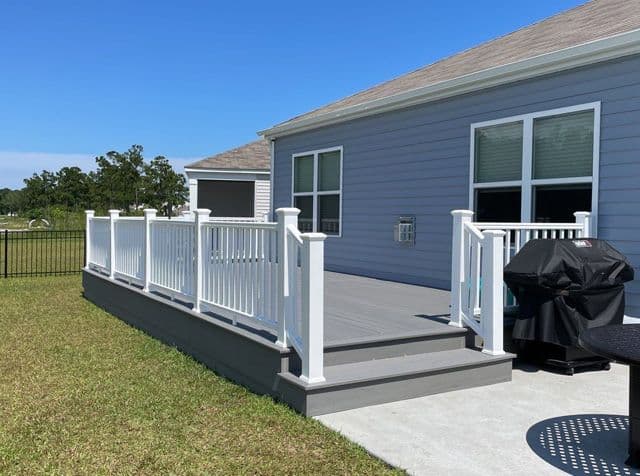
{"x":189,"y":78}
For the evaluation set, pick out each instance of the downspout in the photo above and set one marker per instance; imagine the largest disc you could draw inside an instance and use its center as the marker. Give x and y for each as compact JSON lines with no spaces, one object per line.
{"x":271,"y":170}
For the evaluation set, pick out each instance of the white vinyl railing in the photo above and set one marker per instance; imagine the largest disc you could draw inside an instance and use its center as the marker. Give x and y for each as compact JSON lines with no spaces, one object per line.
{"x":480,"y":252}
{"x":237,"y":269}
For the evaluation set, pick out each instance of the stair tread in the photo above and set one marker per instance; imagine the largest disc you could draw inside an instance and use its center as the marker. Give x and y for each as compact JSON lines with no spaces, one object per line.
{"x":371,"y":370}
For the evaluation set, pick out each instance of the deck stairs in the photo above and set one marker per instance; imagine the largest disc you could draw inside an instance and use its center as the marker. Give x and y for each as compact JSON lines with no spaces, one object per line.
{"x":366,"y":372}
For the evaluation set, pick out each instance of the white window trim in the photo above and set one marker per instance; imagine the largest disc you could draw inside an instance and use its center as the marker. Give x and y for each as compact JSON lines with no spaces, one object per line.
{"x":316,"y":193}
{"x":527,"y":183}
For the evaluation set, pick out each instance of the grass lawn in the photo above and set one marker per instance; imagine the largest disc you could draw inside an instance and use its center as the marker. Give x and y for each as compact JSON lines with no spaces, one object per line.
{"x":83,"y":393}
{"x":13,"y":223}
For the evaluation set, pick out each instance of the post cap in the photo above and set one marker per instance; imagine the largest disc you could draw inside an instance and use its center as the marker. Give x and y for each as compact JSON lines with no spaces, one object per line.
{"x":464,"y":213}
{"x":313,"y":236}
{"x":288,"y":211}
{"x":149,"y":211}
{"x":581,"y":214}
{"x":89,"y":212}
{"x":203,"y":211}
{"x":114,"y":212}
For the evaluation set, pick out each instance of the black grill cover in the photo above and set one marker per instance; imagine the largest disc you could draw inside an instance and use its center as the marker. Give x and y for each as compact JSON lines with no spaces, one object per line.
{"x":566,"y":286}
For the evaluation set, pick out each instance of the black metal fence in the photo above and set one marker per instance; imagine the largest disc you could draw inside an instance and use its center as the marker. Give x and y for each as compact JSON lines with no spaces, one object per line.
{"x":41,"y":253}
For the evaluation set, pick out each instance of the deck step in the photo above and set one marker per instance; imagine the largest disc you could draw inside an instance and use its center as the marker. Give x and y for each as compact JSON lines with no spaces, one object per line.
{"x":441,"y":338}
{"x":359,"y":384}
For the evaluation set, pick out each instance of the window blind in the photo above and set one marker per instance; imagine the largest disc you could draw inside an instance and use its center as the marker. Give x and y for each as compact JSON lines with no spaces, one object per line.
{"x":329,"y":171}
{"x":563,"y":146}
{"x":498,"y":153}
{"x":303,"y":174}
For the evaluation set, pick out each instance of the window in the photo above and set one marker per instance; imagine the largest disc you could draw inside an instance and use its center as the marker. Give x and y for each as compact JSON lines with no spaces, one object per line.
{"x":317,"y":190}
{"x":536,"y":167}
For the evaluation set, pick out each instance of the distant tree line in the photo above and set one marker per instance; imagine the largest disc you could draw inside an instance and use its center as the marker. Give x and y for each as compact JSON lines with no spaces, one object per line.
{"x":122,"y":180}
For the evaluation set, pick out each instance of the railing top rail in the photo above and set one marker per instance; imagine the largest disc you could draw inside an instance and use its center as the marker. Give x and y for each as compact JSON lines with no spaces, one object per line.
{"x":173,"y":222}
{"x":295,"y":233}
{"x":473,"y":229}
{"x":131,"y":219}
{"x":99,"y":218}
{"x":527,"y":226}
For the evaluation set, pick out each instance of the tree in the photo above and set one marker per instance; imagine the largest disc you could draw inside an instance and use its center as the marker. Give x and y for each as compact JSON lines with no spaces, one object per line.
{"x":119,"y":178}
{"x":13,"y":202}
{"x":72,"y":189}
{"x":39,"y":192}
{"x":163,"y":188}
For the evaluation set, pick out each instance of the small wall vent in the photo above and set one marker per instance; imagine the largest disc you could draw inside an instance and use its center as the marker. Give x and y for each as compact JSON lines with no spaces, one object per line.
{"x":404,"y":230}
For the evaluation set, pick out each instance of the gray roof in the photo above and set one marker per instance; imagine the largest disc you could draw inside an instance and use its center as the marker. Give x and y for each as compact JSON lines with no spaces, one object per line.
{"x":592,"y":21}
{"x":252,"y":156}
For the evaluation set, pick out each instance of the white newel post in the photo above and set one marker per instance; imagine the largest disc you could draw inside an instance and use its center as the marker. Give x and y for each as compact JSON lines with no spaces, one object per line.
{"x":313,"y":307}
{"x":89,"y":214}
{"x":492,"y":310}
{"x":193,"y":194}
{"x":202,"y":216}
{"x":460,"y":217}
{"x":286,"y":217}
{"x":113,"y":217}
{"x":584,"y":219}
{"x":149,"y":216}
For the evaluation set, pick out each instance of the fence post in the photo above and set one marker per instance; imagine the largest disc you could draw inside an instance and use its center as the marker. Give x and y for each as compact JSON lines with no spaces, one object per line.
{"x":286,"y":217}
{"x":6,"y":253}
{"x":202,"y":215}
{"x":113,"y":217}
{"x":89,"y":214}
{"x":492,"y":307}
{"x":313,"y":307}
{"x":149,"y":216}
{"x":584,"y":219}
{"x":460,"y":217}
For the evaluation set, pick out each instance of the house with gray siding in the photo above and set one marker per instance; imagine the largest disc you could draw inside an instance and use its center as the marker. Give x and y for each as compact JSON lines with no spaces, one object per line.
{"x":530,"y":127}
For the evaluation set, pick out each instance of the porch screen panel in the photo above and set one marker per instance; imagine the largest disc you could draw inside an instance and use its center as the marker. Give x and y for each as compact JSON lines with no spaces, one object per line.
{"x":563,"y":146}
{"x":498,"y":153}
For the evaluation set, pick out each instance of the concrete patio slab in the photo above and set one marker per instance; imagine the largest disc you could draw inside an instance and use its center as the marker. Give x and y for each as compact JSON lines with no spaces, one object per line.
{"x":539,"y":423}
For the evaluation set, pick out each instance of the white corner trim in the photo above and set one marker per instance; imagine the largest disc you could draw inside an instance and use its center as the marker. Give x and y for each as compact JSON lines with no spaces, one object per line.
{"x":612,"y":47}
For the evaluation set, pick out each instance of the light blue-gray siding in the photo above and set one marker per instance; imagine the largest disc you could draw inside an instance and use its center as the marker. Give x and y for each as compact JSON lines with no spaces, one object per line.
{"x":416,"y":162}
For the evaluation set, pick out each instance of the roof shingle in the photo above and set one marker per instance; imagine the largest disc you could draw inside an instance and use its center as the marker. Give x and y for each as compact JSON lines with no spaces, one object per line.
{"x":592,"y":21}
{"x":252,"y":156}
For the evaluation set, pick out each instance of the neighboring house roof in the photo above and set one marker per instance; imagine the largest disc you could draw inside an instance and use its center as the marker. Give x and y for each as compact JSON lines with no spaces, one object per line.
{"x":252,"y":156}
{"x":583,"y":25}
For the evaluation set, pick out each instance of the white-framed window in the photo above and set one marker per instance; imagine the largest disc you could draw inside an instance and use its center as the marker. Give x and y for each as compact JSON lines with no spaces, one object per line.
{"x":316,"y":188}
{"x":537,"y":167}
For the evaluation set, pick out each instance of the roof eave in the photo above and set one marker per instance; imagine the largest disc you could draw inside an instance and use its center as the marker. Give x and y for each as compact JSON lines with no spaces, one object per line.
{"x":612,"y":47}
{"x":230,"y":171}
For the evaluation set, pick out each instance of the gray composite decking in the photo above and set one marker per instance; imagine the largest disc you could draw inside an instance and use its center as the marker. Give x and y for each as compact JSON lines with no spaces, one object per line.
{"x":360,"y":309}
{"x":384,"y":341}
{"x":366,"y":309}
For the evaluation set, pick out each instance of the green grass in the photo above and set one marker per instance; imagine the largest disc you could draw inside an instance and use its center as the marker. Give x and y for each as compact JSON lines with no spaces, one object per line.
{"x":83,"y":393}
{"x":13,"y":223}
